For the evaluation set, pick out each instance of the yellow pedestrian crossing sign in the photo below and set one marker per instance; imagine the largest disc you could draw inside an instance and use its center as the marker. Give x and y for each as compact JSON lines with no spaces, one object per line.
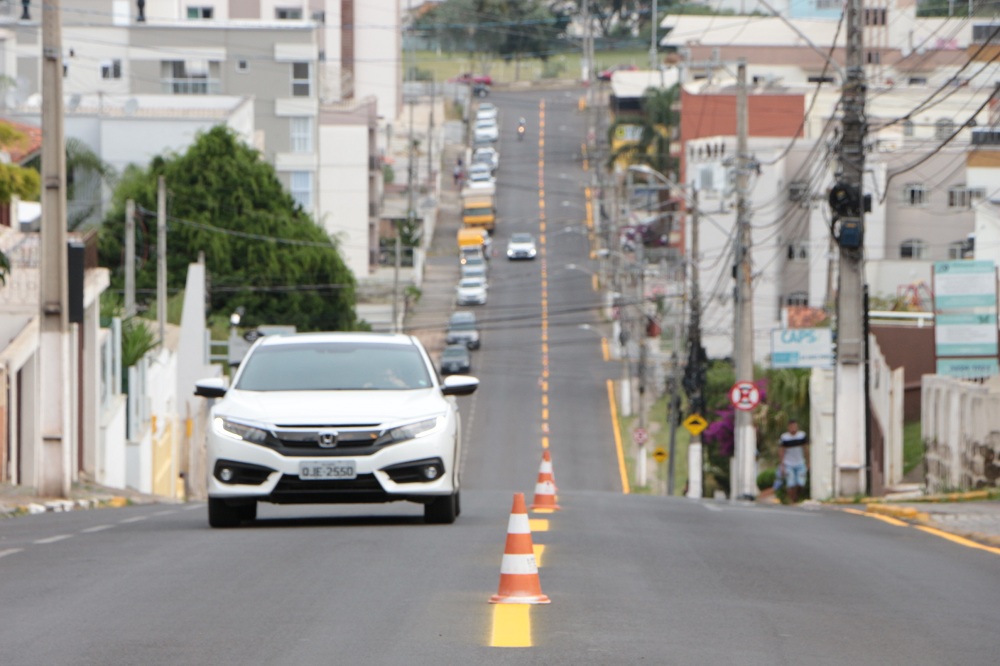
{"x":695,"y":424}
{"x":659,"y":454}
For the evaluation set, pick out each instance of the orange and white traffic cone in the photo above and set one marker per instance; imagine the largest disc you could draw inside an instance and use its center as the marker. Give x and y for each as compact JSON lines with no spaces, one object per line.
{"x":545,"y":471}
{"x":545,"y":488}
{"x":519,"y":582}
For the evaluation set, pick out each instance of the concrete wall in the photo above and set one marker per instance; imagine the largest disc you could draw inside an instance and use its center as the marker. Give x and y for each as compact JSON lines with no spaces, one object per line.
{"x":343,"y":191}
{"x":961,"y":433}
{"x":821,"y":433}
{"x":885,"y":396}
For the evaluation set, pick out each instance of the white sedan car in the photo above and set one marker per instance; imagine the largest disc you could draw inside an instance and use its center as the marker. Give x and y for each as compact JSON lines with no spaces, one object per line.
{"x":471,"y":291}
{"x":334,"y":418}
{"x":521,"y":246}
{"x":486,"y":130}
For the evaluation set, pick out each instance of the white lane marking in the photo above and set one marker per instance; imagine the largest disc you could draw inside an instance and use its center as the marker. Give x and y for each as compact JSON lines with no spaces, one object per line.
{"x":53,"y":539}
{"x":164,"y":513}
{"x":712,"y":507}
{"x":133,"y":519}
{"x":10,"y":551}
{"x":96,"y":528}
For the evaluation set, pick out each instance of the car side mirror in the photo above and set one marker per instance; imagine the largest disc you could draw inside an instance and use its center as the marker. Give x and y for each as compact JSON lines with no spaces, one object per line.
{"x":214,"y":387}
{"x":459,"y":385}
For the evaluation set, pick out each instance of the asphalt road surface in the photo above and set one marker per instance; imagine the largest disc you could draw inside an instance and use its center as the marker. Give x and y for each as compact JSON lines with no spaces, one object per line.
{"x":632,"y":579}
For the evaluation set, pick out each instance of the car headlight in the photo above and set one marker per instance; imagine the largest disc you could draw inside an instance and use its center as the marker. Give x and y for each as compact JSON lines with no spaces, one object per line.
{"x":244,"y":431}
{"x":412,"y":430}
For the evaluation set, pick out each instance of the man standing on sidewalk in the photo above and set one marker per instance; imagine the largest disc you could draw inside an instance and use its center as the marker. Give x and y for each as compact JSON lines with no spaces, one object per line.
{"x":793,"y":457}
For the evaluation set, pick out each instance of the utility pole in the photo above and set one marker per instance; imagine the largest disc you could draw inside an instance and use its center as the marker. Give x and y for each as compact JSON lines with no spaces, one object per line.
{"x":744,"y":483}
{"x":161,"y":257}
{"x":130,"y":257}
{"x":847,"y":200}
{"x":653,"y":59}
{"x":640,"y":337}
{"x":411,"y":176}
{"x":54,"y":468}
{"x":694,"y":378}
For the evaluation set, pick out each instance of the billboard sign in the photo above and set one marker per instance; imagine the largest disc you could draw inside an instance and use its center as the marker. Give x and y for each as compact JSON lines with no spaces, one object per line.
{"x":802,"y":348}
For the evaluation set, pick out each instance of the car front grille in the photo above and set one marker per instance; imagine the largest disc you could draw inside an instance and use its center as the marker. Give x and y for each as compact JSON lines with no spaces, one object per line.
{"x":293,"y":490}
{"x":355,"y":440}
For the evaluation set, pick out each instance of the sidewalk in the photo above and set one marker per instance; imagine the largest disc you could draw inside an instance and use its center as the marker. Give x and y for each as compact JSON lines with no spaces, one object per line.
{"x":19,"y":500}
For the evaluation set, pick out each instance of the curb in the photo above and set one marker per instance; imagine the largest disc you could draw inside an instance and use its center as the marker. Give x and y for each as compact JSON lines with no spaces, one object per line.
{"x":62,"y":506}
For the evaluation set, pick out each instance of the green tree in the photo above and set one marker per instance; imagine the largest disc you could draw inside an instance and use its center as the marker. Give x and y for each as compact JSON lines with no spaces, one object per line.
{"x":533,"y":28}
{"x":15,"y":181}
{"x":656,"y":122}
{"x":262,"y":251}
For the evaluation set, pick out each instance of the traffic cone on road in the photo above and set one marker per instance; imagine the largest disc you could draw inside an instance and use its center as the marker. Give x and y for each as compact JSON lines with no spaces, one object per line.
{"x":545,"y":488}
{"x":545,"y":471}
{"x":519,"y":582}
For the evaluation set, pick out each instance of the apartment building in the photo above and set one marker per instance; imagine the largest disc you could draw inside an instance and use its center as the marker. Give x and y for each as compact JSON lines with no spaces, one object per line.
{"x":293,"y":59}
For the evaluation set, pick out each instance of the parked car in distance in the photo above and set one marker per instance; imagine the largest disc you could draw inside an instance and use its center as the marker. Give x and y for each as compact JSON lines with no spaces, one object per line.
{"x":456,"y":359}
{"x":480,"y":180}
{"x":486,"y":110}
{"x":471,"y":254}
{"x":463,"y":329}
{"x":480,"y":171}
{"x":486,"y":130}
{"x":323,"y":418}
{"x":471,"y":291}
{"x":521,"y":246}
{"x":477,"y":270}
{"x":487,"y":155}
{"x":605,"y":75}
{"x":480,"y":89}
{"x":469,"y":77}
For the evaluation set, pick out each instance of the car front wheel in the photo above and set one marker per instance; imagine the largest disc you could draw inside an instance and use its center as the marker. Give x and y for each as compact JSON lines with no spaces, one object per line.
{"x":442,"y":510}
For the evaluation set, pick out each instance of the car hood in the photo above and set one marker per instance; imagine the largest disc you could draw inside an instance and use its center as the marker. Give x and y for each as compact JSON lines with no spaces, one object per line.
{"x":331,"y":407}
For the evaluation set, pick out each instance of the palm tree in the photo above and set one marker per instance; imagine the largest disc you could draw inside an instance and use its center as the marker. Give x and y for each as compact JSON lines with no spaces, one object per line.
{"x":656,"y":124}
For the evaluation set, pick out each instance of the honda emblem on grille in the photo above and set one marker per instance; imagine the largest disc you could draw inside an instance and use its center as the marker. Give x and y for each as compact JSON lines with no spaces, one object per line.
{"x":328,"y":438}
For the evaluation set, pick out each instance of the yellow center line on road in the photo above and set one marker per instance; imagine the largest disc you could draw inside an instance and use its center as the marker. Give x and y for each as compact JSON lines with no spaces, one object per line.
{"x":604,"y":349}
{"x":511,"y":625}
{"x":538,"y":549}
{"x":545,"y":442}
{"x":545,"y":399}
{"x":538,"y":525}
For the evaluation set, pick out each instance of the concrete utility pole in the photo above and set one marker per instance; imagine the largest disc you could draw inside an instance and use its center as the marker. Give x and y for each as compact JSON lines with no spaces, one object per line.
{"x":129,"y":257}
{"x":161,"y":258}
{"x":54,"y":469}
{"x":744,"y":483}
{"x":850,"y":432}
{"x":696,"y":390}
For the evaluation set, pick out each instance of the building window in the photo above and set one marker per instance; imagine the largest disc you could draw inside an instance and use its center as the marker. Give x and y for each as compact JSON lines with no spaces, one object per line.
{"x":944,"y":128}
{"x":918,"y":81}
{"x":798,"y":251}
{"x":199,"y":12}
{"x":875,"y":16}
{"x":907,"y":128}
{"x":302,"y":131}
{"x":963,"y":197}
{"x":111,"y":69}
{"x":799,"y":298}
{"x":301,"y":188}
{"x":301,"y":79}
{"x":288,"y":13}
{"x":915,"y":194}
{"x":829,"y":4}
{"x":956,"y":250}
{"x":913,"y":248}
{"x":873,"y":57}
{"x":242,"y":65}
{"x":190,"y":77}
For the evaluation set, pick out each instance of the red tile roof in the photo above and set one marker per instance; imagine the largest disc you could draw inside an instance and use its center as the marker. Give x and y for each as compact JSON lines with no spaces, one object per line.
{"x":26,"y":147}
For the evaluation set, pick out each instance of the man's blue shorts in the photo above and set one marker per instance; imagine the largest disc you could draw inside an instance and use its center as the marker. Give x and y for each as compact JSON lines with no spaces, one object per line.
{"x":795,"y":475}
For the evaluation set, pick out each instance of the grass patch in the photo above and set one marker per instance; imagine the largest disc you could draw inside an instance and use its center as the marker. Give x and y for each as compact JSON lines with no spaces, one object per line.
{"x":913,"y":446}
{"x":656,"y":473}
{"x":443,"y":66}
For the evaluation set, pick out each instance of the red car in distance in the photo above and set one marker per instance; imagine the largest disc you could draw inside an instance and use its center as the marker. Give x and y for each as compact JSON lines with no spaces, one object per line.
{"x":469,"y":77}
{"x":609,"y":72}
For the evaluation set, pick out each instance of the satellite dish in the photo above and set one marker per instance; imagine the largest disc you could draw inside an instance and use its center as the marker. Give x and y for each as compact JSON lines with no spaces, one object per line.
{"x":131,"y":106}
{"x":74,"y":102}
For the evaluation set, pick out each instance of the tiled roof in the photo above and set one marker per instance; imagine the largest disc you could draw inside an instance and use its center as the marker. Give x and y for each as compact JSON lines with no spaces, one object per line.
{"x":26,"y":147}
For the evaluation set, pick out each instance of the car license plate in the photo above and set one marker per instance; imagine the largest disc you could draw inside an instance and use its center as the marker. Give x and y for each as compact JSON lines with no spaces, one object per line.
{"x":327,"y":469}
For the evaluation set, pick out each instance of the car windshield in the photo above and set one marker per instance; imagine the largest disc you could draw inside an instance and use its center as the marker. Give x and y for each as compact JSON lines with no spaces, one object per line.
{"x":454,"y":352}
{"x":471,"y":283}
{"x":334,"y":366}
{"x":521,"y":238}
{"x":462,"y":326}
